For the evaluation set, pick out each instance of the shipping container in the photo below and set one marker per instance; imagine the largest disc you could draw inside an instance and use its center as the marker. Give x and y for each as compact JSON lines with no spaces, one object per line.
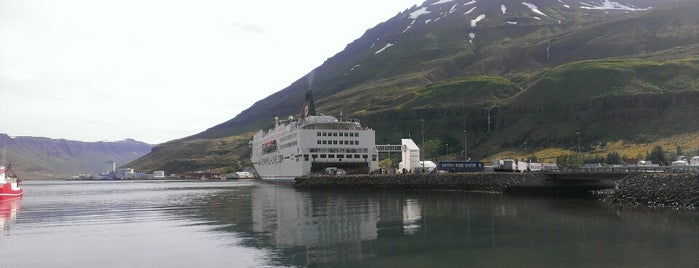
{"x":455,"y":166}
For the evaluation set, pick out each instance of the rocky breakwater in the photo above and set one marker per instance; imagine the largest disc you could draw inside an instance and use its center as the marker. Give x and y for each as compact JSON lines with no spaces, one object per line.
{"x":491,"y":182}
{"x":676,"y":190}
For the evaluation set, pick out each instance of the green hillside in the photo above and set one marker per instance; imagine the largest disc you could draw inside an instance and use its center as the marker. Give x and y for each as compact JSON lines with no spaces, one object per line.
{"x":526,"y":90}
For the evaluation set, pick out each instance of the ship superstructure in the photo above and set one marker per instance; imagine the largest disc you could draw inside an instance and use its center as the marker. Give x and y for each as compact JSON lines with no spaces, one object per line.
{"x":314,"y":144}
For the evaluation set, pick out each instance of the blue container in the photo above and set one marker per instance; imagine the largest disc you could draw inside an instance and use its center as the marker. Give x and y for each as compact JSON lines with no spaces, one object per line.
{"x":455,"y":166}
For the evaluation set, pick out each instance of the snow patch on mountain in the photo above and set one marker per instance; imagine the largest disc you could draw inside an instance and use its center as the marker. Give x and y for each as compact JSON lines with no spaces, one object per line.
{"x":534,"y":8}
{"x":384,"y":48}
{"x":470,"y":10}
{"x":477,"y":19}
{"x":417,"y":13}
{"x":409,"y":26}
{"x":609,"y":5}
{"x":441,"y":2}
{"x":453,"y":8}
{"x":470,"y":3}
{"x":564,"y":4}
{"x":471,"y":37}
{"x":511,"y":22}
{"x":504,"y":9}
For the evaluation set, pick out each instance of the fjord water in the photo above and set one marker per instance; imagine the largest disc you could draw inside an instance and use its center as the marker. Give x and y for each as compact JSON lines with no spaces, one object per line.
{"x":252,"y":224}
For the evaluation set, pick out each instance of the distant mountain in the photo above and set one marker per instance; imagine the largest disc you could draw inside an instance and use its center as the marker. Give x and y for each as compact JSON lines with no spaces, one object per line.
{"x":519,"y":76}
{"x":42,"y":158}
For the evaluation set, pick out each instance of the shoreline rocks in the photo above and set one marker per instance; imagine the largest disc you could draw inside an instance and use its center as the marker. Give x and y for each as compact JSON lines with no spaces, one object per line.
{"x":673,"y":190}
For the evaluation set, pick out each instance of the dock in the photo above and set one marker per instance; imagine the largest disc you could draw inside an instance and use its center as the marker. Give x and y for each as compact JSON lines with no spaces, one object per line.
{"x":472,"y":181}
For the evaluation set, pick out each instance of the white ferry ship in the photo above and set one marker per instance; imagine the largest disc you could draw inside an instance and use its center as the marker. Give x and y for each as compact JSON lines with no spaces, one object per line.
{"x":314,"y":144}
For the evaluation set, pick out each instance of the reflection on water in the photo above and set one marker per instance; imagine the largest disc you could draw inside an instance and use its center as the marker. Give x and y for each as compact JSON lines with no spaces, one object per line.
{"x":8,"y":215}
{"x":250,"y":224}
{"x":461,"y":229}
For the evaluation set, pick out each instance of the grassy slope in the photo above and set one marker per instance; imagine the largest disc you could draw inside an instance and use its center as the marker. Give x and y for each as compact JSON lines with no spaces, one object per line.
{"x":539,"y":103}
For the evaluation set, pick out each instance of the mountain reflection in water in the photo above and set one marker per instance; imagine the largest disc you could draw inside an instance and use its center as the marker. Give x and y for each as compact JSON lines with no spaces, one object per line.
{"x":251,"y":224}
{"x":377,"y":228}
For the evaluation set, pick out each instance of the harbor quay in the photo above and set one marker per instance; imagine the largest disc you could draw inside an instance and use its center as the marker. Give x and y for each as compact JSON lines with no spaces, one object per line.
{"x":676,"y":190}
{"x":491,"y":181}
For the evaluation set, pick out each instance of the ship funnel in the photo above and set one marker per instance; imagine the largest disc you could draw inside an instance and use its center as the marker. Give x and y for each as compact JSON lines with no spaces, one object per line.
{"x":309,"y":108}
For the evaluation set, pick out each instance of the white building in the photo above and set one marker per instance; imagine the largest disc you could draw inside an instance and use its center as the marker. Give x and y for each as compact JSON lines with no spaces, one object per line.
{"x":158,"y":174}
{"x":124,"y":173}
{"x":410,"y":155}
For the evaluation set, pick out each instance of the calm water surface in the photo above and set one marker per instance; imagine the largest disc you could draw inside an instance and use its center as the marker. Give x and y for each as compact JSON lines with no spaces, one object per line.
{"x":252,"y":224}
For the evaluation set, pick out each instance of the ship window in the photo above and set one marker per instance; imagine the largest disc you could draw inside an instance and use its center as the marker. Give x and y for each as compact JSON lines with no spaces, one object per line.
{"x":331,"y":156}
{"x":356,"y":142}
{"x":322,"y":156}
{"x":325,"y":142}
{"x":305,"y":157}
{"x":365,"y":156}
{"x":319,"y":134}
{"x":373,"y":157}
{"x":357,"y":156}
{"x":356,"y":134}
{"x":334,"y":142}
{"x":314,"y":156}
{"x":319,"y":142}
{"x":325,"y":134}
{"x":335,"y":134}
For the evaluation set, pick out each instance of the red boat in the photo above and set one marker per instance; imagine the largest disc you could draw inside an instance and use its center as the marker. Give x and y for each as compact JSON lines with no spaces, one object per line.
{"x":10,"y":185}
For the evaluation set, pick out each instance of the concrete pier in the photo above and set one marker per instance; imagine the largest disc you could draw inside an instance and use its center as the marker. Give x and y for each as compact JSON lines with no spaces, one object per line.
{"x":495,"y":182}
{"x":676,"y":190}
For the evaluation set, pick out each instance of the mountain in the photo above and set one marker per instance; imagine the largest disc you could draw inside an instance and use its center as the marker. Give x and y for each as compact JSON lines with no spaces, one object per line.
{"x":44,"y":158}
{"x":520,"y":77}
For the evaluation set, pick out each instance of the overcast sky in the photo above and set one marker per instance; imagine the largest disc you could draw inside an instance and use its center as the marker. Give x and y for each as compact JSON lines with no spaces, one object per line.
{"x":158,"y":70}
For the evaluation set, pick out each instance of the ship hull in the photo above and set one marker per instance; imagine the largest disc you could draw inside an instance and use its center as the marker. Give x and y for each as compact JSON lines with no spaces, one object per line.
{"x":10,"y":191}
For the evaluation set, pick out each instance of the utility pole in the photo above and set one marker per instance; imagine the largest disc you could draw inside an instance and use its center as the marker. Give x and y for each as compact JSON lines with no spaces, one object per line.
{"x":578,"y":133}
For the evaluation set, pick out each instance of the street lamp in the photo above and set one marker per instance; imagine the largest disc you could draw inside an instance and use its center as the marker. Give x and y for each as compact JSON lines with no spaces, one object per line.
{"x":578,"y":133}
{"x":422,"y":133}
{"x":578,"y":156}
{"x":465,"y":147}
